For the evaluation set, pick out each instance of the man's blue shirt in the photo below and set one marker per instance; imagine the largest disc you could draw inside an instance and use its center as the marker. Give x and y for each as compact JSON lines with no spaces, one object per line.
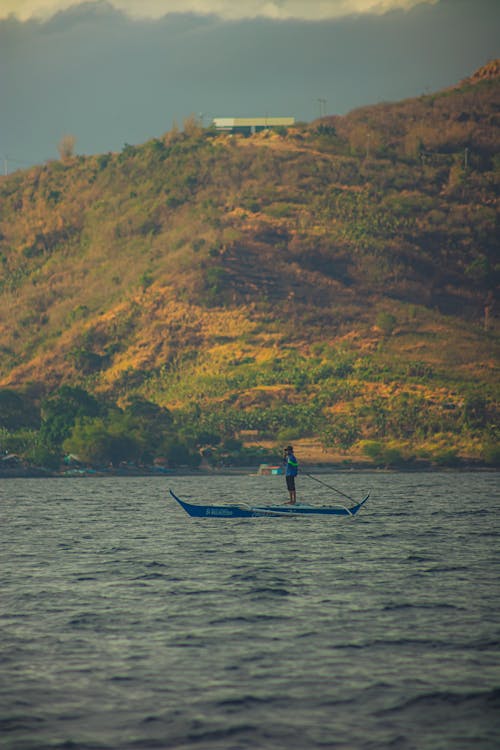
{"x":292,"y":465}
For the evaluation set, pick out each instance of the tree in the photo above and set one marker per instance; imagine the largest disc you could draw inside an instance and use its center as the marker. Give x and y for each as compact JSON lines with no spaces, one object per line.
{"x":60,"y":412}
{"x":192,"y":126}
{"x":17,"y":411}
{"x":105,"y":441}
{"x":66,"y":147}
{"x":342,"y":434}
{"x":179,"y":453}
{"x":155,"y":421}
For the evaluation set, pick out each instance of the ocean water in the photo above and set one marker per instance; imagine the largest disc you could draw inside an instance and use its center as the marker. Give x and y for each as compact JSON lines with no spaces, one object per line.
{"x":125,"y":624}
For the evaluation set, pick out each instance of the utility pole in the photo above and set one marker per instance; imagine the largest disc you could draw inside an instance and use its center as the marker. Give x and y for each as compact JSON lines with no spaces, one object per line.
{"x":322,"y":106}
{"x":6,"y":159}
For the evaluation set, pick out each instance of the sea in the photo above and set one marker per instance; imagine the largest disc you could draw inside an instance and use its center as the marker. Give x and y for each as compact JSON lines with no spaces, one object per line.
{"x":127,"y":625}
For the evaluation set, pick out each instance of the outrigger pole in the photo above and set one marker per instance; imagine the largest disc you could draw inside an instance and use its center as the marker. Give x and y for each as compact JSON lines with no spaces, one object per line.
{"x":330,"y":487}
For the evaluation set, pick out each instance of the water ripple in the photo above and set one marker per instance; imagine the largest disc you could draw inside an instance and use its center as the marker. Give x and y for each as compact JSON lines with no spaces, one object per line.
{"x":126,"y":625}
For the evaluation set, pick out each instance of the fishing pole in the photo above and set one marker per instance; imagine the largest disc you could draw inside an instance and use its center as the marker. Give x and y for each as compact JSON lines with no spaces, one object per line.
{"x":330,"y":487}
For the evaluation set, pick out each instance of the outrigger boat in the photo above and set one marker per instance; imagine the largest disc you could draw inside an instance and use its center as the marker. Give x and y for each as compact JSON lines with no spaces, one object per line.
{"x":248,"y":510}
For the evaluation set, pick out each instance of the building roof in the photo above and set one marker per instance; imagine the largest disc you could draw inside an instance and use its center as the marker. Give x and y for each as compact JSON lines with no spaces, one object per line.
{"x":249,"y":122}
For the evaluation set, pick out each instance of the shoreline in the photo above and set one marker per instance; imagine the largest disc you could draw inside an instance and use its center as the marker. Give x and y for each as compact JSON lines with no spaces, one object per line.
{"x":40,"y":473}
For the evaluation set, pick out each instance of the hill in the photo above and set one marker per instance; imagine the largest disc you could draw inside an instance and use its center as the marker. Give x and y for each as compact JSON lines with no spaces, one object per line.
{"x":332,"y":283}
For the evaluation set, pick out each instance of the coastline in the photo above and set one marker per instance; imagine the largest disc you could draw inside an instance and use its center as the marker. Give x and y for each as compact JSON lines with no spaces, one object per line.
{"x":326,"y":468}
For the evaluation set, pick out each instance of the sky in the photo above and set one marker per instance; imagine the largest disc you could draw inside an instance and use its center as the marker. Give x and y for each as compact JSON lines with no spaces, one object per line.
{"x":123,"y":71}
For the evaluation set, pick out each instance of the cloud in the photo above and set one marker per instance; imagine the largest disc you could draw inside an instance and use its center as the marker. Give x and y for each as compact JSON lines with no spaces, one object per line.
{"x":310,"y":10}
{"x":96,"y":73}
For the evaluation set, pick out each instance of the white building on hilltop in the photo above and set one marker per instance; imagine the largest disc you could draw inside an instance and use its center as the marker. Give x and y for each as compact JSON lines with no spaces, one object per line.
{"x":249,"y":125}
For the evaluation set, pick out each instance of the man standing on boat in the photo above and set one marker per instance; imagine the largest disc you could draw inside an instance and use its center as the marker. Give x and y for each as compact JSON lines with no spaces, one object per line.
{"x":292,"y":467}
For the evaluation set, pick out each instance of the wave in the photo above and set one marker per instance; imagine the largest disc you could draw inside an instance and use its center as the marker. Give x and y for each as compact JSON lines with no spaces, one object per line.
{"x":269,"y":590}
{"x":246,"y":619}
{"x":487,"y":698}
{"x":408,"y":605}
{"x":20,"y":723}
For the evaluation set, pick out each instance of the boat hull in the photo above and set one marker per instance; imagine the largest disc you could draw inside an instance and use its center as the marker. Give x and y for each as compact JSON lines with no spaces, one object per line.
{"x":245,"y":510}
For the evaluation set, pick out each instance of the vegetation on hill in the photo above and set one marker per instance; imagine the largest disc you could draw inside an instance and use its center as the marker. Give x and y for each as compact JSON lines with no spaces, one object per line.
{"x":333,"y":283}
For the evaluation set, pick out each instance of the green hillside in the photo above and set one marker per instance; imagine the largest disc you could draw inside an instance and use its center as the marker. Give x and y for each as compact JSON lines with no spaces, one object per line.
{"x":332,"y":284}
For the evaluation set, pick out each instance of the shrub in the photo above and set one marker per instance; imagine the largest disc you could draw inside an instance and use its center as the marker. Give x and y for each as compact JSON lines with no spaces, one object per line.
{"x":447,"y":457}
{"x":420,"y":370}
{"x":373,"y":450}
{"x":491,"y":454}
{"x":393,"y":457}
{"x":145,"y":280}
{"x":103,"y":161}
{"x":386,"y":322}
{"x":232,"y":444}
{"x":286,"y":436}
{"x":42,"y":456}
{"x":86,"y":360}
{"x":342,"y":434}
{"x":384,"y":455}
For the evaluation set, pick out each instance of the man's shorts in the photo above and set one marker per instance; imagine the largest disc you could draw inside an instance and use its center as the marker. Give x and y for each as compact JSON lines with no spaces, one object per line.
{"x":290,"y":482}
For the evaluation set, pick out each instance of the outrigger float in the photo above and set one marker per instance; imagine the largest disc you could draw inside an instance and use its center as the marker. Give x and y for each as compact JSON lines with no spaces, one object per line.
{"x":248,"y":510}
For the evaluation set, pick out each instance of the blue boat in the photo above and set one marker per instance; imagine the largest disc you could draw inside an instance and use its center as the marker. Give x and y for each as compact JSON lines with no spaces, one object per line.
{"x":248,"y":510}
